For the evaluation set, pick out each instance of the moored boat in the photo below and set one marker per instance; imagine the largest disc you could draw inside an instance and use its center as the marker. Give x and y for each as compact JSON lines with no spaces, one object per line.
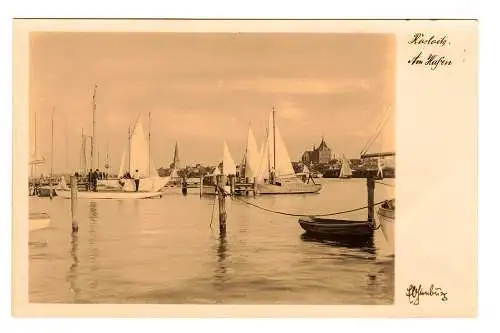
{"x":44,"y":191}
{"x":336,"y":227}
{"x":345,"y":170}
{"x":288,"y":186}
{"x":276,"y":174}
{"x":139,"y":159}
{"x":66,"y":194}
{"x":387,"y":217}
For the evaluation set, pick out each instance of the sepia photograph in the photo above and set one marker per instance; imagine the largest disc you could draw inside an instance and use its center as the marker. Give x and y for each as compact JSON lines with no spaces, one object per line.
{"x":236,"y":164}
{"x":211,"y":168}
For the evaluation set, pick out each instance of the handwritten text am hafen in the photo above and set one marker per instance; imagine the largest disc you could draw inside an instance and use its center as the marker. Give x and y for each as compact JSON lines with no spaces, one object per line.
{"x":431,"y":60}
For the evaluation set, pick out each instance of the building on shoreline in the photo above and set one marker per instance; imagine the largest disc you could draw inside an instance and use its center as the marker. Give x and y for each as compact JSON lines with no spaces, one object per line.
{"x":320,"y":155}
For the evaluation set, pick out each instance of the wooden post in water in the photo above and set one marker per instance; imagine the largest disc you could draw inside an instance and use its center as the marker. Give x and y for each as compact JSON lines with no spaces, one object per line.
{"x":201,"y":185}
{"x":370,"y":186}
{"x":74,"y":202}
{"x":222,"y":204}
{"x":184,"y":185}
{"x":255,"y":186}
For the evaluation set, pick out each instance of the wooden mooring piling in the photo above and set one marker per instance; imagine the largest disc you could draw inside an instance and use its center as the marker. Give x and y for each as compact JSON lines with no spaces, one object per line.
{"x":221,"y":196}
{"x":370,"y":187}
{"x":74,"y":203}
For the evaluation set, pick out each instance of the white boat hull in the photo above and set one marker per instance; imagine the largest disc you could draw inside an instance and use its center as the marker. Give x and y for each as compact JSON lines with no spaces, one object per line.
{"x":150,"y":184}
{"x":38,"y":221}
{"x":66,"y":194}
{"x":387,"y":219}
{"x":288,"y":187}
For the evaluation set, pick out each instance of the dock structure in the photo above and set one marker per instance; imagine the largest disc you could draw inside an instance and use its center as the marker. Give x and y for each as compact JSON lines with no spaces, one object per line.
{"x":236,"y":186}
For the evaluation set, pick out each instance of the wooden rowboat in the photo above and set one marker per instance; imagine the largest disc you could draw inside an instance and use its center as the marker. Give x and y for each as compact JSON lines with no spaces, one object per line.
{"x":336,"y":228}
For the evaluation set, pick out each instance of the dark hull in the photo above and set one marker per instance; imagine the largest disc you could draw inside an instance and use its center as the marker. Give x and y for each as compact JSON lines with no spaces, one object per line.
{"x":45,"y":192}
{"x":336,"y":228}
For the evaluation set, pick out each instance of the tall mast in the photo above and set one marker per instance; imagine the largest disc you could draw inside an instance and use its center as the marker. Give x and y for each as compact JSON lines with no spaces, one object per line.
{"x":274,"y":139}
{"x":52,"y":145}
{"x":33,"y":166}
{"x":51,"y":153}
{"x":66,"y":145}
{"x":129,"y":150}
{"x":149,"y":139}
{"x":92,"y":142}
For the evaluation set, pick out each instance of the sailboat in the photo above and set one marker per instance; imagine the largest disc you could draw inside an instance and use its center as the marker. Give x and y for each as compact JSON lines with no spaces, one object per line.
{"x":251,"y":159}
{"x":139,"y":158}
{"x":228,"y":169}
{"x":126,"y":190}
{"x":276,"y":174}
{"x":37,"y":220}
{"x":345,"y":170}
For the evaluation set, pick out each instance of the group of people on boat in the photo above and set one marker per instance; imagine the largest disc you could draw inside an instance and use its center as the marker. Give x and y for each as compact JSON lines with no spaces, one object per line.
{"x":93,"y":177}
{"x":136,"y":177}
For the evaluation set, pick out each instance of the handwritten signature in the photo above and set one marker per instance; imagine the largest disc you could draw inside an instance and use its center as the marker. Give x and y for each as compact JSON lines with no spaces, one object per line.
{"x":414,"y":292}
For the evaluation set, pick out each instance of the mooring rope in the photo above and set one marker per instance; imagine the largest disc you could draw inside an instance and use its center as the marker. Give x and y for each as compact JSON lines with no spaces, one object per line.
{"x":300,"y":215}
{"x":212,"y":217}
{"x":377,"y":132}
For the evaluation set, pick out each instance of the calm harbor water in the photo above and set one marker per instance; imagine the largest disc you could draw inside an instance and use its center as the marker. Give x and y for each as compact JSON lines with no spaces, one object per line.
{"x":165,"y":251}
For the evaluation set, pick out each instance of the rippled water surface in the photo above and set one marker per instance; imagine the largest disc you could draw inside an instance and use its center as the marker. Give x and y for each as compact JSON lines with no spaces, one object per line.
{"x":165,"y":251}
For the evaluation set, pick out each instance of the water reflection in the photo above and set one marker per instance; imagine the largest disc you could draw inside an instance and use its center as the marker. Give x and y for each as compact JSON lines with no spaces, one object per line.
{"x":363,"y":243}
{"x":220,"y":277}
{"x":73,"y":269}
{"x":93,"y":252}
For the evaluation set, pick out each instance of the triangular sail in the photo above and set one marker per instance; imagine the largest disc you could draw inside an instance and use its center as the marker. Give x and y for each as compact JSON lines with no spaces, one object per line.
{"x":174,"y":174}
{"x":281,"y":160}
{"x":252,"y":157}
{"x":229,"y":167}
{"x":122,"y":164}
{"x":139,"y":153}
{"x":345,"y":170}
{"x":263,"y":170}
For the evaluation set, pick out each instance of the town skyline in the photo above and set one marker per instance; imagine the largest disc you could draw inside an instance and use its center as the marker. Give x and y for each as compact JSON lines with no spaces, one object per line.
{"x":203,"y":89}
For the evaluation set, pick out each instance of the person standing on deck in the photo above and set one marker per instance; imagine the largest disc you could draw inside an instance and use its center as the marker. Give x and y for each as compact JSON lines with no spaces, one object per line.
{"x":273,"y":176}
{"x":380,"y":165}
{"x":90,"y":180}
{"x":95,"y":178}
{"x":136,"y":179}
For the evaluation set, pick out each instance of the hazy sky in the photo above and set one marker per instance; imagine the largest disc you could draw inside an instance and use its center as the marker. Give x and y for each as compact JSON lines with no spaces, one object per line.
{"x":202,"y":89}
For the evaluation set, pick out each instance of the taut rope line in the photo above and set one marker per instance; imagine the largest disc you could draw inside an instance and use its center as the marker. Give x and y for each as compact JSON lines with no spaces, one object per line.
{"x":300,"y":215}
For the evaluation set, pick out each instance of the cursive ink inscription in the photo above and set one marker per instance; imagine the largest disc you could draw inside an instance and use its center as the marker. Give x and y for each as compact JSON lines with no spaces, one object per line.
{"x":430,"y":60}
{"x":421,"y":39}
{"x":414,"y":292}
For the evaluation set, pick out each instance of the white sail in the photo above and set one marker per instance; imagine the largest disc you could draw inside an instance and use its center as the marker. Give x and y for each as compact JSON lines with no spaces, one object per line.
{"x":345,"y":170}
{"x":122,"y":164}
{"x":174,"y":174}
{"x":281,"y":160}
{"x":139,"y":153}
{"x":263,"y":170}
{"x":252,"y":157}
{"x":229,"y":167}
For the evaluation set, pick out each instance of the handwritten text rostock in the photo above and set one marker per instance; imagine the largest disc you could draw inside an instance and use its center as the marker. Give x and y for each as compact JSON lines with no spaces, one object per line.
{"x":431,"y":60}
